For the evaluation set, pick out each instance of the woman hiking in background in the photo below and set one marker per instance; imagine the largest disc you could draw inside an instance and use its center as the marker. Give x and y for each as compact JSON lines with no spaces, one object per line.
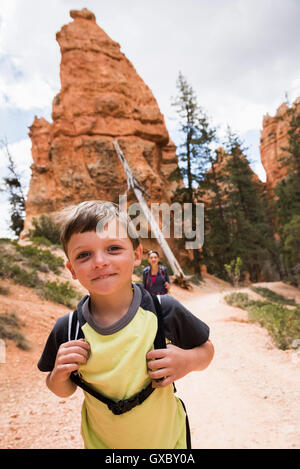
{"x":155,"y":276}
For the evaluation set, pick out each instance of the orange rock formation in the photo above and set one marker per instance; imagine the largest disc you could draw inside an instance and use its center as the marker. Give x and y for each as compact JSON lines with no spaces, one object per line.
{"x":102,"y":98}
{"x":274,"y":137}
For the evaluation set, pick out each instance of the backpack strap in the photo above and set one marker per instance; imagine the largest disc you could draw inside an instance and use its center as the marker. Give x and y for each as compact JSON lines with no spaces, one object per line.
{"x":147,"y":272}
{"x":162,"y":272}
{"x":119,"y":407}
{"x":125,"y":405}
{"x":73,"y":326}
{"x":160,"y":339}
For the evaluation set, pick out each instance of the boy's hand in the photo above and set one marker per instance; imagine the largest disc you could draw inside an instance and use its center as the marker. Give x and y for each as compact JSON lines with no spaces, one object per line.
{"x":69,"y":357}
{"x":167,"y":365}
{"x":172,"y":363}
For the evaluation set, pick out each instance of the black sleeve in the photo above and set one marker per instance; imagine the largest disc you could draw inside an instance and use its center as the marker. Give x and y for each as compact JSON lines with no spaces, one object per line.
{"x":57,"y":336}
{"x":182,"y":327}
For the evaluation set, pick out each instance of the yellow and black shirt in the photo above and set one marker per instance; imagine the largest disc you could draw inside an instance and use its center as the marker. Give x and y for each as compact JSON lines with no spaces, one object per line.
{"x":117,"y":368}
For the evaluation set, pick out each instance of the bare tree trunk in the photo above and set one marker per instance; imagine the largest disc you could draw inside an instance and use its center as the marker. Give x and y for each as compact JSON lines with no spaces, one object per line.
{"x":148,"y":214}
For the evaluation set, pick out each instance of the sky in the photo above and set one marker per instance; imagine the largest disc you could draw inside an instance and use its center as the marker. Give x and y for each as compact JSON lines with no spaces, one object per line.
{"x":240,"y":56}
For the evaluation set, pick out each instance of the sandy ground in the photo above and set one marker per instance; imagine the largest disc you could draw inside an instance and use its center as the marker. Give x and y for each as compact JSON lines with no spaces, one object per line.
{"x":247,"y":398}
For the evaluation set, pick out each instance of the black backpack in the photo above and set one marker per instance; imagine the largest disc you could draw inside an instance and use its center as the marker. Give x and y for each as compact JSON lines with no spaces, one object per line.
{"x":122,"y":406}
{"x":161,"y":270}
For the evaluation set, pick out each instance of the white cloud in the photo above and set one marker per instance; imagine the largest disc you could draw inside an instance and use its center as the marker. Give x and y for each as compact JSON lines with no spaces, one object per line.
{"x":25,"y":94}
{"x":294,"y":89}
{"x":241,"y":56}
{"x":27,"y":43}
{"x":4,"y":217}
{"x":260,"y":171}
{"x":21,"y":155}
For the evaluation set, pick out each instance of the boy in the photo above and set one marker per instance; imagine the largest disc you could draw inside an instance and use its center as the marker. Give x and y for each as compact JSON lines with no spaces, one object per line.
{"x":110,"y":348}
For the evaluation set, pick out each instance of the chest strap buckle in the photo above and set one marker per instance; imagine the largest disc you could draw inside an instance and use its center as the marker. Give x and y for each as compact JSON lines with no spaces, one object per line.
{"x":125,"y":405}
{"x":119,"y":407}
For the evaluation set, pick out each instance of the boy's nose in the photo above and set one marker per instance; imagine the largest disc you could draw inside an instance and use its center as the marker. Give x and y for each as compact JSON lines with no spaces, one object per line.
{"x":100,"y":259}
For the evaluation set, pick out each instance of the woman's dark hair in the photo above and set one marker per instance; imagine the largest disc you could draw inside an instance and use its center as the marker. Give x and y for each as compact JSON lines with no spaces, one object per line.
{"x":153,"y":252}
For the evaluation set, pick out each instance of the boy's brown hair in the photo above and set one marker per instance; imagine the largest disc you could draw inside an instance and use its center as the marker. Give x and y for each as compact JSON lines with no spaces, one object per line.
{"x":88,"y":216}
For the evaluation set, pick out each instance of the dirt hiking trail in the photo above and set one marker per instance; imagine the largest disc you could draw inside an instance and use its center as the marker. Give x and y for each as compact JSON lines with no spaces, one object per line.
{"x":247,"y":398}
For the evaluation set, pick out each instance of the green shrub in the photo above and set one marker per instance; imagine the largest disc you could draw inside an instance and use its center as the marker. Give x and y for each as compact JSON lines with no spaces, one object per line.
{"x":35,"y":258}
{"x":45,"y":227}
{"x":4,"y":290}
{"x":238,"y":299}
{"x":9,"y":329}
{"x":283,"y":324}
{"x":272,"y":296}
{"x":62,"y":292}
{"x":233,"y":270}
{"x":40,"y":240}
{"x":40,"y":257}
{"x":5,"y":240}
{"x":10,"y":270}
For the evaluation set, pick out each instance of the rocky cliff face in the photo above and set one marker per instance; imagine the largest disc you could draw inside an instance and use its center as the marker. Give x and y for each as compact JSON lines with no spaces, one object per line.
{"x":102,"y":98}
{"x":274,"y":137}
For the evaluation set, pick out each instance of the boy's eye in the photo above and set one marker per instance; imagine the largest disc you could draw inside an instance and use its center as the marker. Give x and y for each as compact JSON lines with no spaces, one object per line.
{"x":114,"y":248}
{"x":83,"y":255}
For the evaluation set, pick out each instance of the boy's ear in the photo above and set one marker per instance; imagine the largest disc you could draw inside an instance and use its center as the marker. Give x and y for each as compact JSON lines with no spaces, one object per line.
{"x":138,"y":254}
{"x":69,"y":266}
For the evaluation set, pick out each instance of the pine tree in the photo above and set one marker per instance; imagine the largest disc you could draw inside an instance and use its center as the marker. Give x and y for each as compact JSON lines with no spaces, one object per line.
{"x":16,"y":198}
{"x":216,"y":248}
{"x":251,"y":236}
{"x":195,"y":150}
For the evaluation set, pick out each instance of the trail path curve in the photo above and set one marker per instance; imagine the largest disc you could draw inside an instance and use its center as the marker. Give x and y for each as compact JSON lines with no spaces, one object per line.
{"x":247,"y":398}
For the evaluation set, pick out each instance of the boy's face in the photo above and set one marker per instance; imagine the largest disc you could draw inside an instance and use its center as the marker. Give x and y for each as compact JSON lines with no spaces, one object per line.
{"x":102,"y":262}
